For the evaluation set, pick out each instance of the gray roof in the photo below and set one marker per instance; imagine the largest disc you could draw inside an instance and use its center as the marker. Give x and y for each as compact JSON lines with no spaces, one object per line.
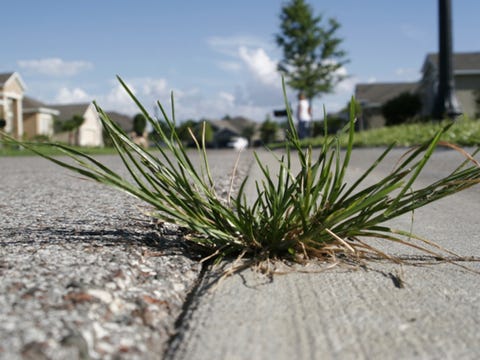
{"x":462,"y":62}
{"x":236,"y":124}
{"x":124,"y":121}
{"x":33,"y":105}
{"x":379,"y":93}
{"x":29,"y":103}
{"x":68,"y":111}
{"x":4,"y":77}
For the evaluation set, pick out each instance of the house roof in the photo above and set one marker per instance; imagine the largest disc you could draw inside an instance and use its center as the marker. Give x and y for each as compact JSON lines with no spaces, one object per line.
{"x":32,"y":105}
{"x":375,"y":94}
{"x":29,"y":102}
{"x":463,"y":63}
{"x":68,"y":111}
{"x":5,"y":77}
{"x":124,"y":121}
{"x":235,"y":125}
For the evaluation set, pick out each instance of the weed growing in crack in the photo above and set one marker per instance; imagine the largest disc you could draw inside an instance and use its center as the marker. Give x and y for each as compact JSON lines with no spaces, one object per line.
{"x":312,"y":213}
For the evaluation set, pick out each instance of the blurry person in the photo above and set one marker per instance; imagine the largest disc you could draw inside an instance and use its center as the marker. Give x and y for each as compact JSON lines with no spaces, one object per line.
{"x":304,"y":116}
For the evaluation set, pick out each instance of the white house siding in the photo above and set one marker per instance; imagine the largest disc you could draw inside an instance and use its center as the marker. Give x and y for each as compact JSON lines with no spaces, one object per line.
{"x":428,"y":89}
{"x":90,"y":133}
{"x":12,"y":94}
{"x":465,"y":87}
{"x":8,"y":115}
{"x":45,"y":124}
{"x":13,"y":116}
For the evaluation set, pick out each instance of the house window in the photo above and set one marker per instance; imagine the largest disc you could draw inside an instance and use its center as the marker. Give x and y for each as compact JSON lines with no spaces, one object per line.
{"x":45,"y":125}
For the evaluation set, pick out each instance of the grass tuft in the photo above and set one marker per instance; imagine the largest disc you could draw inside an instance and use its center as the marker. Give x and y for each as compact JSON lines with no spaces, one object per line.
{"x":312,"y":213}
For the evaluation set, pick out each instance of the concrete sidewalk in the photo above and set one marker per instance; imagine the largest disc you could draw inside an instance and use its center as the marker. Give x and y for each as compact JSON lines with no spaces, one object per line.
{"x":347,"y":314}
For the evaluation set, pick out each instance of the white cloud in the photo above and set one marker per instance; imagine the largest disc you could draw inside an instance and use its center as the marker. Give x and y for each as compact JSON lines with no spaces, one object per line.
{"x":407,"y":74}
{"x":229,"y":45}
{"x":154,"y":87}
{"x":231,"y":66}
{"x":259,"y":90}
{"x":118,"y":96}
{"x":227,"y":97}
{"x":119,"y":100}
{"x":55,"y":66}
{"x":147,"y":90}
{"x":347,"y":86}
{"x":75,"y":95}
{"x":340,"y":97}
{"x":260,"y":65}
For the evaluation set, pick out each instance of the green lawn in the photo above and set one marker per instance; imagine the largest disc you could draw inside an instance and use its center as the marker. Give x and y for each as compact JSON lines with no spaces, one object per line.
{"x":7,"y":150}
{"x":464,"y":132}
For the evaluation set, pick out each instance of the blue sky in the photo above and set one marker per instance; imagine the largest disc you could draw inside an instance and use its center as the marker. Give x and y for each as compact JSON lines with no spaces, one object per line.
{"x":217,"y":56}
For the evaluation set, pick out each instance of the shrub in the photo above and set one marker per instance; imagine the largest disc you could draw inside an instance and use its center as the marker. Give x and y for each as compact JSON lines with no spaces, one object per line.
{"x":268,"y":131}
{"x":401,"y":108}
{"x":139,"y":124}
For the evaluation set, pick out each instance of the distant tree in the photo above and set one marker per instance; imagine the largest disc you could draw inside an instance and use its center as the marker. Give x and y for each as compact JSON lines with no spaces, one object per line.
{"x":357,"y":108}
{"x":182,"y":130}
{"x":107,"y":140}
{"x":268,"y":130}
{"x":311,"y":50}
{"x":165,"y":127}
{"x":153,"y":135}
{"x":198,"y":131}
{"x":139,"y":124}
{"x":248,"y":133}
{"x":477,"y":103}
{"x":401,"y":108}
{"x":318,"y":128}
{"x":357,"y":113}
{"x":71,"y":126}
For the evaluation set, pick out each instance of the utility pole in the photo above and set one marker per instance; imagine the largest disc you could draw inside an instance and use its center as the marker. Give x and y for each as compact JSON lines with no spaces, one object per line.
{"x":446,"y":103}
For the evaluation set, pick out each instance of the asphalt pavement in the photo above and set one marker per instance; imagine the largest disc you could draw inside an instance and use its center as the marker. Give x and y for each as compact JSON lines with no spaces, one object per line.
{"x":85,"y":273}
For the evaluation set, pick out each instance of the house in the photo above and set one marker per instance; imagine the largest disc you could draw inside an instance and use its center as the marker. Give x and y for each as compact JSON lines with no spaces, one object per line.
{"x":372,"y":96}
{"x":38,"y":118}
{"x":12,"y":89}
{"x":23,"y":116}
{"x":228,"y":130}
{"x":124,"y":121}
{"x":90,"y":133}
{"x":466,"y":72}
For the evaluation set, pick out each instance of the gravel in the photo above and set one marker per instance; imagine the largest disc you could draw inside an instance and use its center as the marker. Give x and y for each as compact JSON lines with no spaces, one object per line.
{"x":85,"y":273}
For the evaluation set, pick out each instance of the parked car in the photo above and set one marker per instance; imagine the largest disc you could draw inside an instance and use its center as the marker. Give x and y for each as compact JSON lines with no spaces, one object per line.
{"x":238,"y":143}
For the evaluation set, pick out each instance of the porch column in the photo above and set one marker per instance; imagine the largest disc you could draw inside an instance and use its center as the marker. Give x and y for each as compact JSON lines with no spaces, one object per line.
{"x":19,"y":111}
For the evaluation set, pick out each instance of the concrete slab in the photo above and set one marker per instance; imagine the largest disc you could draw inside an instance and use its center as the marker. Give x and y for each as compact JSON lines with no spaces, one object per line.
{"x":346,"y":314}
